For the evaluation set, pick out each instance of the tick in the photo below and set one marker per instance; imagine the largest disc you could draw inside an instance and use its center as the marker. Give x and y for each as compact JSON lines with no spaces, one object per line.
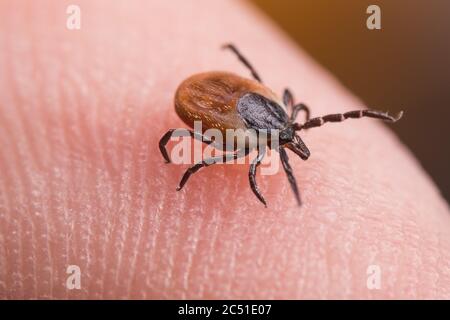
{"x":223,"y":100}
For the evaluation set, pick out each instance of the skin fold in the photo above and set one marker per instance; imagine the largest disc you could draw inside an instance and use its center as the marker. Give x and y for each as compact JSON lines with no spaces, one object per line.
{"x":82,"y":181}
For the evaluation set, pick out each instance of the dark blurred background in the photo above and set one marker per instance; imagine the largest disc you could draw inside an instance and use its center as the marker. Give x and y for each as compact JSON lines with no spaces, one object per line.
{"x":405,"y":65}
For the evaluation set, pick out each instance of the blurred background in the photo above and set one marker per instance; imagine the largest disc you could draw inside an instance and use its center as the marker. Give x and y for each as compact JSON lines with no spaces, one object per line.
{"x":403,"y":66}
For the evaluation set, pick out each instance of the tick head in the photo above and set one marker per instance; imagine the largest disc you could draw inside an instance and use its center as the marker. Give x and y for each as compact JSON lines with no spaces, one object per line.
{"x":289,"y":139}
{"x":287,"y":135}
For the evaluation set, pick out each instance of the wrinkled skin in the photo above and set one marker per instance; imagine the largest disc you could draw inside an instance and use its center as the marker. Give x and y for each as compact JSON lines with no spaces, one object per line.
{"x":82,"y":181}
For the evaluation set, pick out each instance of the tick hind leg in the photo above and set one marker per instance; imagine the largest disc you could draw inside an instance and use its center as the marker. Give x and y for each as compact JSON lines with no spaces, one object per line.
{"x":243,"y":60}
{"x":210,"y":161}
{"x":182,"y":133}
{"x":252,"y":175}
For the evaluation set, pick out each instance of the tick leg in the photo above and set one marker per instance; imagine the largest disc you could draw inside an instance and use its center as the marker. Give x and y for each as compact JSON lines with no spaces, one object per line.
{"x":297,"y":108}
{"x":252,"y":175}
{"x":183,"y":133}
{"x":243,"y":60}
{"x":287,"y":168}
{"x":338,"y":117}
{"x":210,"y":161}
{"x":288,"y":98}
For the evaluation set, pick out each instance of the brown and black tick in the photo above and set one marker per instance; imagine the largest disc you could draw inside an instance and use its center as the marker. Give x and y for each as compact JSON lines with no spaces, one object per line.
{"x":223,"y":100}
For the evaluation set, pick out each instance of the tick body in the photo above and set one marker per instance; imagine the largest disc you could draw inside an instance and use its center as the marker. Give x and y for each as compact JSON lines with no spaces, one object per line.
{"x":213,"y":98}
{"x":223,"y":100}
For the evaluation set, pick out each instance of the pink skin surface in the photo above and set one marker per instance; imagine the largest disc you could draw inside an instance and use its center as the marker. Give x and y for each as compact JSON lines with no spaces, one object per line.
{"x":82,"y":181}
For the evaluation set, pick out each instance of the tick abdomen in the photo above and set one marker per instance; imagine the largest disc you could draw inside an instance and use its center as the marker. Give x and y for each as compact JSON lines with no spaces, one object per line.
{"x":212,"y":98}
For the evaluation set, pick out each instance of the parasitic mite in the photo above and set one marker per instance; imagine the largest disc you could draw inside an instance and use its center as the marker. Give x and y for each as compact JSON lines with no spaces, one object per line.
{"x":223,"y":100}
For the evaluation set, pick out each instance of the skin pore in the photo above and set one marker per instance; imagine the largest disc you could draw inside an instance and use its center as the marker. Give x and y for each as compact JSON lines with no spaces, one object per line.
{"x":82,"y":181}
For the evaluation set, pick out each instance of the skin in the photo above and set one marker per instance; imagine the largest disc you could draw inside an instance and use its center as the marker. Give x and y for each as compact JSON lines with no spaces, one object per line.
{"x":82,"y":181}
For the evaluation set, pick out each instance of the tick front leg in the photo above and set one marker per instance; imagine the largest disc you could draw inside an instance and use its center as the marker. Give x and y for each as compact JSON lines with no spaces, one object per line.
{"x":297,"y":108}
{"x":288,"y":98}
{"x":252,"y":175}
{"x":287,"y":168}
{"x":210,"y":161}
{"x":182,"y":133}
{"x":338,"y":117}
